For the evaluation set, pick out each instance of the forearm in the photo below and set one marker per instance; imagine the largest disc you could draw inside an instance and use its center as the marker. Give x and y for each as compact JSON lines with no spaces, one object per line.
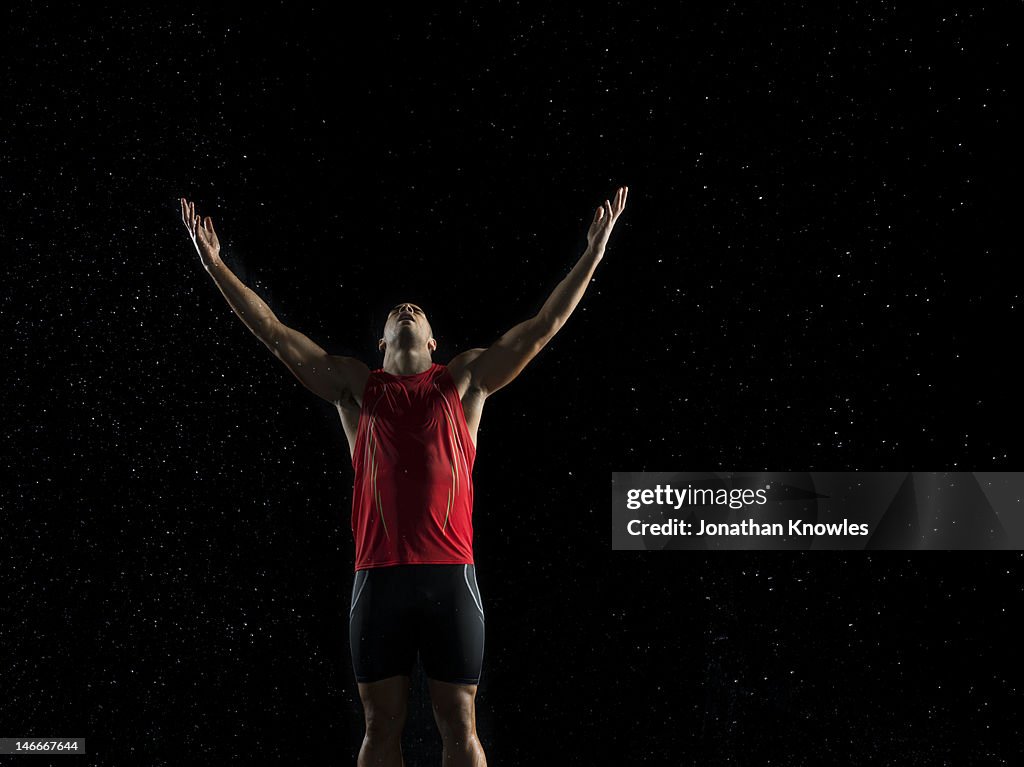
{"x":249,"y":307}
{"x":570,"y":290}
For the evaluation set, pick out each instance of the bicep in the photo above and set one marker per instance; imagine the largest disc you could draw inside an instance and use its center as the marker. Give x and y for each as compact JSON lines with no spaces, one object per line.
{"x":500,"y":363}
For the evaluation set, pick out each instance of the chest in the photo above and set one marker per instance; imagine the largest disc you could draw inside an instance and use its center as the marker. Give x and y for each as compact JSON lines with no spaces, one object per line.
{"x":413,"y":406}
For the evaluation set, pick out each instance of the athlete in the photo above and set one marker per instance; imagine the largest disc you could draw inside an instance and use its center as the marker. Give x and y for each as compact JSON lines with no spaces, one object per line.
{"x":411,"y":426}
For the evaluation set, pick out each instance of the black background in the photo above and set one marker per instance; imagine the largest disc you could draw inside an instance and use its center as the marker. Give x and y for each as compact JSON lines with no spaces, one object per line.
{"x":812,"y":273}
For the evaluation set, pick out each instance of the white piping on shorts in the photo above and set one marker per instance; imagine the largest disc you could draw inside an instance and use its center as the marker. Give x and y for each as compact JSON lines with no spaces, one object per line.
{"x":465,"y":574}
{"x":358,"y":593}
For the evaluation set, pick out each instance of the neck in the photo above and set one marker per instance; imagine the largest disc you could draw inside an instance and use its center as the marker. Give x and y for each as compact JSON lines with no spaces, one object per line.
{"x":406,"y":362}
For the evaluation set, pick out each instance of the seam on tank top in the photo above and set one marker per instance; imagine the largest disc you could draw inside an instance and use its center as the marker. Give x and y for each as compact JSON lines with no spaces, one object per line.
{"x":366,"y":442}
{"x":448,"y":508}
{"x":450,"y":412}
{"x":453,"y":490}
{"x":455,"y":472}
{"x":371,"y":437}
{"x":465,"y":575}
{"x":458,"y":447}
{"x":359,"y":593}
{"x":391,"y":400}
{"x":376,"y":493}
{"x":462,"y":410}
{"x":364,"y":417}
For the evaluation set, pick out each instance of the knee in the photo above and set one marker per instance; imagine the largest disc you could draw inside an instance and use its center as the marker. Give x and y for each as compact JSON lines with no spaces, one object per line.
{"x":385,"y":726}
{"x":456,"y":723}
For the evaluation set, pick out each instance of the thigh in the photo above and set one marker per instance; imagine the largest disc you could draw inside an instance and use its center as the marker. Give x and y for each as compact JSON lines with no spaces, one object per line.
{"x":385,"y":704}
{"x":451,"y":625}
{"x":381,"y":624}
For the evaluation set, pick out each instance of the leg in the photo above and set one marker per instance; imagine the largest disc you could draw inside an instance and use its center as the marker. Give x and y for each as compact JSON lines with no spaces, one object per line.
{"x":384,"y":706}
{"x":452,"y":651}
{"x":455,"y":713}
{"x":383,"y":653}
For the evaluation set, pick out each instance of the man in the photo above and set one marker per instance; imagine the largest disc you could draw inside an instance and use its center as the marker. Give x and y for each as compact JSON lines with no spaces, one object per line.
{"x":411,"y":427}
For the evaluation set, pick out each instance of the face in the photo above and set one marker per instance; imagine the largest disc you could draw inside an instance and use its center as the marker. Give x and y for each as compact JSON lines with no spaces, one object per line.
{"x":407,"y":326}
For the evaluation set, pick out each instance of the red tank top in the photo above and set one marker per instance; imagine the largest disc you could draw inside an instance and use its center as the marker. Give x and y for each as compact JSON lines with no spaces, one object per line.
{"x":412,"y":501}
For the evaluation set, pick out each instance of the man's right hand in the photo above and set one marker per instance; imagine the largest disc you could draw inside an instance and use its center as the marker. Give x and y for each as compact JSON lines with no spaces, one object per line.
{"x":201,"y":232}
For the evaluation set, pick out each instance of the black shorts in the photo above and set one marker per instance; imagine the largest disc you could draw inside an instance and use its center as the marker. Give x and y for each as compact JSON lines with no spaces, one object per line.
{"x":399,"y":610}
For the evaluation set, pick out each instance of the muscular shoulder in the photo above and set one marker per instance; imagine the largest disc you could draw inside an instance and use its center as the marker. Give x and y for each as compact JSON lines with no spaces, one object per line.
{"x":461,"y":369}
{"x":351,"y":374}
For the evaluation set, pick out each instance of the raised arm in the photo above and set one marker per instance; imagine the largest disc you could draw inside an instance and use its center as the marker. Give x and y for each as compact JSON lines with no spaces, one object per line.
{"x":329,"y":376}
{"x":505,"y":359}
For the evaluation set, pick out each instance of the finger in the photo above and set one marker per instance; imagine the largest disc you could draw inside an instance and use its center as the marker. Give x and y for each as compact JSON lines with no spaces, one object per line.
{"x":181,"y":203}
{"x":608,"y":206}
{"x":209,"y":224}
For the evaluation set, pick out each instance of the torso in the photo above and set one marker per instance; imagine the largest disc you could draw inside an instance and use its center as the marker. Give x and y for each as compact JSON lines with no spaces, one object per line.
{"x":472,"y":399}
